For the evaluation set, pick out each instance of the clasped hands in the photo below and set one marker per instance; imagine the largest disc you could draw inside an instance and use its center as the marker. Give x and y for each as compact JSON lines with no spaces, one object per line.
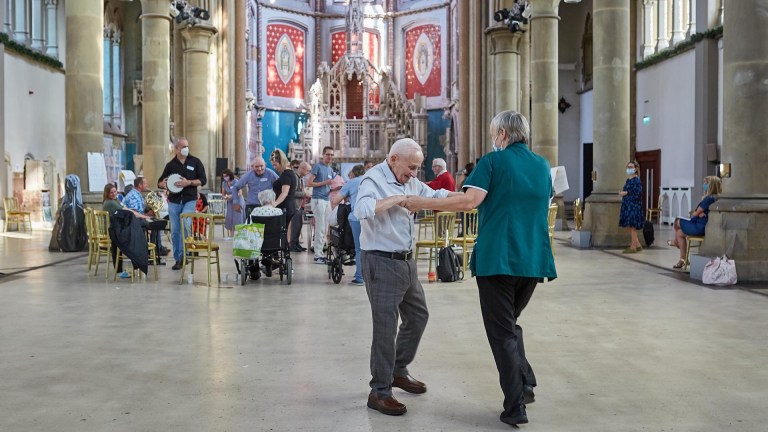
{"x":413,"y":203}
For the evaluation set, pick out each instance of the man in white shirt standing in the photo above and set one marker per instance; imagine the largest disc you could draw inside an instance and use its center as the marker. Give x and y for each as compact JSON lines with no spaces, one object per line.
{"x":320,"y":179}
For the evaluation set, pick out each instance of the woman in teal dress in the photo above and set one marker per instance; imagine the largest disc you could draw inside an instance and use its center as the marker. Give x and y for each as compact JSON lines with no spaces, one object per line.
{"x":631,"y":214}
{"x":695,"y":225}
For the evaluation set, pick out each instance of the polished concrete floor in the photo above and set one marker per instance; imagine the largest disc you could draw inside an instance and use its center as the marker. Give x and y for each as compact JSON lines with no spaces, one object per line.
{"x":619,"y":343}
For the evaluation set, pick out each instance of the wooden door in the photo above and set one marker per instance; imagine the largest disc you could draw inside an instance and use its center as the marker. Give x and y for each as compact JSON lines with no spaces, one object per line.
{"x":650,"y":175}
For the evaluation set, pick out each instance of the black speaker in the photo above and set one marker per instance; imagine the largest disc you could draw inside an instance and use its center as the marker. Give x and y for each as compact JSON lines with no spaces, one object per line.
{"x":221,"y":165}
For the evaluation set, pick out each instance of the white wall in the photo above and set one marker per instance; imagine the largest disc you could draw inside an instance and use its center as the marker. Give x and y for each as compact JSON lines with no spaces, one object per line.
{"x":666,"y":93}
{"x":569,"y":146}
{"x":34,"y":113}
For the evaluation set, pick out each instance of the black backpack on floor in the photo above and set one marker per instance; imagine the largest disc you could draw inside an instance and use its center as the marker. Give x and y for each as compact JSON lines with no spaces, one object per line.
{"x":648,"y":233}
{"x":449,"y":267}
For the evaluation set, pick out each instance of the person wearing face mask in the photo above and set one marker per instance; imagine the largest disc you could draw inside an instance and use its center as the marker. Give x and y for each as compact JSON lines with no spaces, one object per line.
{"x":631,"y":214}
{"x":511,"y":190}
{"x":193,"y":176}
{"x":698,"y":220}
{"x":234,"y":217}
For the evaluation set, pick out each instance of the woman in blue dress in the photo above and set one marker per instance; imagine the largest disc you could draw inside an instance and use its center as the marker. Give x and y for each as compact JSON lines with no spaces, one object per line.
{"x":695,"y":225}
{"x":631,"y":215}
{"x":233,"y":217}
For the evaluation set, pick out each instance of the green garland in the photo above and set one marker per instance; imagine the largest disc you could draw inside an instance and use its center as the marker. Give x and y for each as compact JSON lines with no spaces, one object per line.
{"x":682,"y":47}
{"x":23,"y":50}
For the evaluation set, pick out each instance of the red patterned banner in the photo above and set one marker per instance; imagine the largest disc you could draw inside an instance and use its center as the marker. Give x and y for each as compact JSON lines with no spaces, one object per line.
{"x":423,"y":61}
{"x":370,"y":47}
{"x":285,"y":61}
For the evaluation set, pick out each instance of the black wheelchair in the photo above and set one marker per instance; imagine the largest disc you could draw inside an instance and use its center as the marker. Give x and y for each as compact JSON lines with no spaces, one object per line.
{"x":341,"y":250}
{"x":275,"y":253}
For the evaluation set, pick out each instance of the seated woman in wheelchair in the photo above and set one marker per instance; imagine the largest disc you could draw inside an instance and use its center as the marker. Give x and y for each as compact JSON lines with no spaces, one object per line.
{"x":269,"y":260}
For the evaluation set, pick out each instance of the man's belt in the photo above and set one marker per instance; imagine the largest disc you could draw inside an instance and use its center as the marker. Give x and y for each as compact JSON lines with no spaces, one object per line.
{"x":401,"y":256}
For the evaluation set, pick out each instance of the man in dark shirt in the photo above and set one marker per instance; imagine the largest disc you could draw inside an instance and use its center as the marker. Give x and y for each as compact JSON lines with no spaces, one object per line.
{"x":192,"y":175}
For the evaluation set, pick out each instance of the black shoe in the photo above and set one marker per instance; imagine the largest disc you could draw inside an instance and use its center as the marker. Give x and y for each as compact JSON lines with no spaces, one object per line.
{"x":177,"y":266}
{"x":267,"y":269}
{"x":518,"y":418}
{"x":296,"y":248}
{"x":528,"y":396}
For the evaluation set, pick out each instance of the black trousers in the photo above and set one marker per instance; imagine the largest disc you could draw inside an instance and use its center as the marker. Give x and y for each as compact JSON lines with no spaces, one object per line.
{"x":502,"y":299}
{"x":296,"y":223}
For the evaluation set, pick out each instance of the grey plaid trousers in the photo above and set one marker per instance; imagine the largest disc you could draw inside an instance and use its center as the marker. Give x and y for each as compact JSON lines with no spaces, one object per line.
{"x":394,"y":292}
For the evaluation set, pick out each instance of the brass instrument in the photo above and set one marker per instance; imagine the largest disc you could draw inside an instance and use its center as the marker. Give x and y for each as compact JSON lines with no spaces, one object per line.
{"x":155,"y":203}
{"x":578,"y":216}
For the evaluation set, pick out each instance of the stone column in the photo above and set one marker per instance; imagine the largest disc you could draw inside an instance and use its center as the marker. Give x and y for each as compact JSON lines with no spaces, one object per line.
{"x":525,"y":74}
{"x":82,"y":86}
{"x":505,"y":47}
{"x":691,"y":17}
{"x":738,"y":221}
{"x":464,"y":83}
{"x":678,"y":32}
{"x":51,"y":29}
{"x":197,"y":74}
{"x":240,"y":138}
{"x":37,"y":25}
{"x":611,"y":122}
{"x":662,"y":35}
{"x":156,"y":103}
{"x":648,"y":24}
{"x":20,"y":23}
{"x":544,"y":73}
{"x":7,"y":16}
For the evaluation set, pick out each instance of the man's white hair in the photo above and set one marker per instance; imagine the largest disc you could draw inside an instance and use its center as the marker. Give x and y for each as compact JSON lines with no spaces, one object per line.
{"x":267,"y":197}
{"x":404,"y":146}
{"x":441,"y":162}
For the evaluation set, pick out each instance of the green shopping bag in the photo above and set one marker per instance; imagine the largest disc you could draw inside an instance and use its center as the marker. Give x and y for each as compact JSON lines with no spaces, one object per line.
{"x":248,"y":240}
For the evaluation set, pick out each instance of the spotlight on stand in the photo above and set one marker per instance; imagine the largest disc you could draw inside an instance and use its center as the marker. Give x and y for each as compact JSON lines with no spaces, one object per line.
{"x":182,"y":11}
{"x":515,"y":17}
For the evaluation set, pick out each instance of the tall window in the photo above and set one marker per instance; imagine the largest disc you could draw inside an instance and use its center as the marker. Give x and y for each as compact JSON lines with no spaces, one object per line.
{"x":113,"y":73}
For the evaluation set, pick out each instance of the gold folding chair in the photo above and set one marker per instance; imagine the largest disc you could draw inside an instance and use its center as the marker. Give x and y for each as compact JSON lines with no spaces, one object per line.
{"x":467,"y":240}
{"x":152,"y":260}
{"x":425,"y":222}
{"x":102,"y":243}
{"x":688,"y":240}
{"x":442,"y":221}
{"x":551,"y":219}
{"x":199,"y":245}
{"x":650,"y":212}
{"x":14,"y":214}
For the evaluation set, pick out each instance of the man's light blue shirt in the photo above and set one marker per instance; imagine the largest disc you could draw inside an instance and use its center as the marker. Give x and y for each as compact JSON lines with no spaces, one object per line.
{"x":390,"y":230}
{"x":349,"y":190}
{"x":321,"y":172}
{"x":255,"y":184}
{"x":133,"y":200}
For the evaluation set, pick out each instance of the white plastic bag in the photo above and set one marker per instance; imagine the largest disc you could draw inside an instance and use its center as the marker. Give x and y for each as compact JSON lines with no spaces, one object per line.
{"x":720,"y":271}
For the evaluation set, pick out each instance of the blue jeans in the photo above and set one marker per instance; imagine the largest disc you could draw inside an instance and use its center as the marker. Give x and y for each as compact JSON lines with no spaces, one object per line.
{"x":174,"y":210}
{"x":355,"y":224}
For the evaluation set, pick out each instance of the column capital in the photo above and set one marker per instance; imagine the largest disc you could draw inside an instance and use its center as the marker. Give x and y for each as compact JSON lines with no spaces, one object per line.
{"x":503,"y":40}
{"x":544,"y":9}
{"x":197,"y":37}
{"x":155,"y":9}
{"x":52,"y":3}
{"x":649,"y":2}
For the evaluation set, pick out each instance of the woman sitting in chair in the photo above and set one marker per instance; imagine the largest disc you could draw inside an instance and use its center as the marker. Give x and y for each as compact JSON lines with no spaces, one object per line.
{"x":695,"y":225}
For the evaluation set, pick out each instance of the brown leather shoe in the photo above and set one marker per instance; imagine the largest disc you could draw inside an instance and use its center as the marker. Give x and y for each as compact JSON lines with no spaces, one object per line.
{"x":409,"y":384}
{"x":388,"y":406}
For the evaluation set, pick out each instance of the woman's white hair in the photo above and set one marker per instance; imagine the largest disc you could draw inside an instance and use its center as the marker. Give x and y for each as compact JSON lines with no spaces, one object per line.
{"x":404,"y":146}
{"x":514,"y":123}
{"x":267,"y":196}
{"x":441,"y":162}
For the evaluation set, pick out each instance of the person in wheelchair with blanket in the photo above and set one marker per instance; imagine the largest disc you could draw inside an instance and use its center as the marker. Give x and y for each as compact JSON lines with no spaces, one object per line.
{"x":275,"y":253}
